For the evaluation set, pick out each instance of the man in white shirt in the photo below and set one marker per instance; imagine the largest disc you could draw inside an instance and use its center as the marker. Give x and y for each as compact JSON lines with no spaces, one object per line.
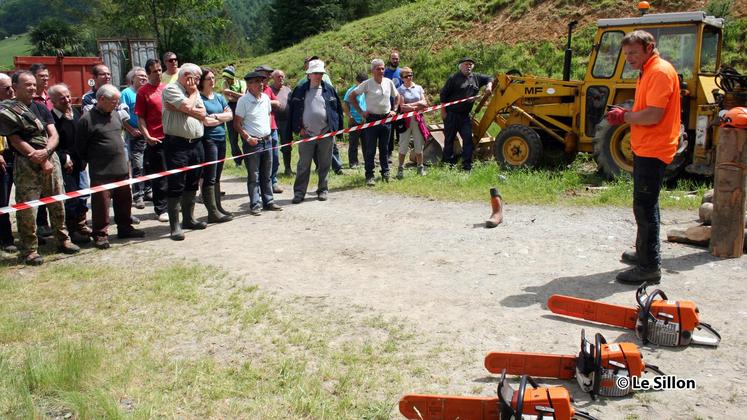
{"x":252,"y":122}
{"x":381,"y":97}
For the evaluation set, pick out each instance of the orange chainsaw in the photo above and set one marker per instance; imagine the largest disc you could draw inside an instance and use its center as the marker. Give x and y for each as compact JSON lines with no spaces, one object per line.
{"x":553,"y":402}
{"x":600,"y":368}
{"x":656,"y":321}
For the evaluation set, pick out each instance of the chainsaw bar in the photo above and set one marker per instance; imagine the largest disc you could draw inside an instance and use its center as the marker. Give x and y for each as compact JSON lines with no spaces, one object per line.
{"x":605,"y":313}
{"x":561,"y":366}
{"x":443,"y":407}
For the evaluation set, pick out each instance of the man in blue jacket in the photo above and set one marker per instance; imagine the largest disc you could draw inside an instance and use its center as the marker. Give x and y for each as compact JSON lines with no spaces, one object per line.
{"x":314,"y":109}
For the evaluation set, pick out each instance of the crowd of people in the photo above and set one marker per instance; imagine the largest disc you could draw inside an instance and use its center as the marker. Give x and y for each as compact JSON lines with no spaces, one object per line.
{"x":171,"y":116}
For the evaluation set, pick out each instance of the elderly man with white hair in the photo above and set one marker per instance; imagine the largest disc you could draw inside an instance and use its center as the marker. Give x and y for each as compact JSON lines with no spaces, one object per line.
{"x":183,"y":114}
{"x":98,"y":140}
{"x":381,"y":98}
{"x":74,"y":175}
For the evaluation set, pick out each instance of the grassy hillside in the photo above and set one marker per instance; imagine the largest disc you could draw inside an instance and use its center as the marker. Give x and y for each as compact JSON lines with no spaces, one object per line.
{"x":11,"y":47}
{"x":527,"y":35}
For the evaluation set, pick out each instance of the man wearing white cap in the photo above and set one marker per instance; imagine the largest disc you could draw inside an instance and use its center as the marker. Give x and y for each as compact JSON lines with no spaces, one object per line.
{"x":314,"y":109}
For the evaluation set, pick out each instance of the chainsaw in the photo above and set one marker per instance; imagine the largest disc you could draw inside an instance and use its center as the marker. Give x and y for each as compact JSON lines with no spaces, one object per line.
{"x":601,"y":369}
{"x":552,"y":402}
{"x":656,"y":320}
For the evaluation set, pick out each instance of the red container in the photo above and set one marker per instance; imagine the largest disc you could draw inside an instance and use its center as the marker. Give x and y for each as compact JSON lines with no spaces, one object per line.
{"x":73,"y":71}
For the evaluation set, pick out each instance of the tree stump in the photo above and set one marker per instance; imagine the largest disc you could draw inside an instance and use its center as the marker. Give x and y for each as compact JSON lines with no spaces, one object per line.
{"x":727,"y":236}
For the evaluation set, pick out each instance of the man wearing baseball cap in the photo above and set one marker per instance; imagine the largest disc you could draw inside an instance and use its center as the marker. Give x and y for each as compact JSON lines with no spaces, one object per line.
{"x":275,"y":104}
{"x":460,"y":85}
{"x":252,"y":122}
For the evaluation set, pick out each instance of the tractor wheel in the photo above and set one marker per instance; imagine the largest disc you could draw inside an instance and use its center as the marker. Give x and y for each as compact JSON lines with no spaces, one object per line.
{"x":613,"y":153}
{"x":612,"y":150}
{"x":518,"y":146}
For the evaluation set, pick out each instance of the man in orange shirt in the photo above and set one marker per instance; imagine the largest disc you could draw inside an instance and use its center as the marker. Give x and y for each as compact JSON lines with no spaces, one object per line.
{"x":654,"y":136}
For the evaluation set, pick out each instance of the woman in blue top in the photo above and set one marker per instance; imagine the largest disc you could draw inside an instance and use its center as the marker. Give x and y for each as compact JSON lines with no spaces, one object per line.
{"x":214,"y":143}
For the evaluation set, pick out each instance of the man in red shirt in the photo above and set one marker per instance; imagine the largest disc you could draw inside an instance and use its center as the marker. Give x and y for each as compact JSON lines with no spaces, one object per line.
{"x":148,"y":108}
{"x":654,"y":136}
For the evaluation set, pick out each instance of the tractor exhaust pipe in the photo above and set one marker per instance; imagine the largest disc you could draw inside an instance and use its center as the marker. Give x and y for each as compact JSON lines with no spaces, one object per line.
{"x":568,"y":52}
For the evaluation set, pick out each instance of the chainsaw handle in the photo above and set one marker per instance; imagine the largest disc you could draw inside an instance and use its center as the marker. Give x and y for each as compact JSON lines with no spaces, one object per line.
{"x":583,"y":415}
{"x":598,"y":341}
{"x":645,"y":312}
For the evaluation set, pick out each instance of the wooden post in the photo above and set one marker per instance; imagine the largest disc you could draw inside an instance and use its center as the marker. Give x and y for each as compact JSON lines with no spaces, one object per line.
{"x":727,"y":235}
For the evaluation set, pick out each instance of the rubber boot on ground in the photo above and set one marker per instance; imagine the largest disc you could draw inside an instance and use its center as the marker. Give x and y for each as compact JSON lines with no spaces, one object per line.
{"x":218,"y":202}
{"x":173,"y":210}
{"x":209,"y":199}
{"x":188,"y":212}
{"x":496,"y":203}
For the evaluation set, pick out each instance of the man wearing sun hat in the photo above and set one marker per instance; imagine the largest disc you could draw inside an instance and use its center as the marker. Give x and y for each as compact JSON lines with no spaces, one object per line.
{"x":460,"y":85}
{"x":314,"y":108}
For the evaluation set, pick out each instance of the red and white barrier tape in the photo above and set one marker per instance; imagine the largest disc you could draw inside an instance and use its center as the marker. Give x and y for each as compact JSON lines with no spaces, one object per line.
{"x":87,"y":191}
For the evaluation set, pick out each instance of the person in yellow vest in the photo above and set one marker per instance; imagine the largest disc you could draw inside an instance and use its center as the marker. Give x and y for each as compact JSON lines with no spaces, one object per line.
{"x":233,"y":89}
{"x":654,"y":136}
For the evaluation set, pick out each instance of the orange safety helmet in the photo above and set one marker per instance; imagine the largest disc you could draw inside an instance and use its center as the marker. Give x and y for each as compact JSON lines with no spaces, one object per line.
{"x":735,"y":118}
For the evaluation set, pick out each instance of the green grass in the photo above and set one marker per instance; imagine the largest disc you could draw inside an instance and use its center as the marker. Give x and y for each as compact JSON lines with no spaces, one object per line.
{"x":11,"y":47}
{"x":577,"y":184}
{"x":432,"y":34}
{"x":145,"y":338}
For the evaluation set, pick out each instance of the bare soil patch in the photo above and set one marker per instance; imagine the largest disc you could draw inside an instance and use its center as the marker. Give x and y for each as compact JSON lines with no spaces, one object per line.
{"x":434,"y":265}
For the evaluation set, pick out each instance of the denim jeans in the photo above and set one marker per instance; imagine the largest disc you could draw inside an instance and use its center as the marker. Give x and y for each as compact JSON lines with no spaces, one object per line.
{"x":259,"y":170}
{"x":376,"y":136}
{"x":73,"y":181}
{"x":180,"y":153}
{"x":136,"y":150}
{"x":275,"y":156}
{"x":462,"y":124}
{"x":648,"y":175}
{"x":214,"y":150}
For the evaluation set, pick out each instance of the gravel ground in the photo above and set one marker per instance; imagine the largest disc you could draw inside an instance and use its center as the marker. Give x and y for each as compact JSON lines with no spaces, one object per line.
{"x":436,"y":266}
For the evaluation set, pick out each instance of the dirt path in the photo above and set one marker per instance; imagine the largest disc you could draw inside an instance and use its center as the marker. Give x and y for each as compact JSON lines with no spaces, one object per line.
{"x":436,"y":266}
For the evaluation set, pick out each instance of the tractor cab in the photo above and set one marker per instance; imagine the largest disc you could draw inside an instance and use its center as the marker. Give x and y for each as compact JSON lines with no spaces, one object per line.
{"x":691,"y":41}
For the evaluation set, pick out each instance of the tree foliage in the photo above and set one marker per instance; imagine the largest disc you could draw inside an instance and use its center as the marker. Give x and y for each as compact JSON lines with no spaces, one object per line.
{"x":294,"y":20}
{"x":53,"y":36}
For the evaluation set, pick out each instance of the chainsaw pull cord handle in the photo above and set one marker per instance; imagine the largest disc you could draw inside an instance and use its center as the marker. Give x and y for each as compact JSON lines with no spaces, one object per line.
{"x":645,"y":313}
{"x":598,"y":341}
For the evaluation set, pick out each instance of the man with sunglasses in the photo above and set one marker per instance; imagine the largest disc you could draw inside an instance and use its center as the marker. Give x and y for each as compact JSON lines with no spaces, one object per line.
{"x":172,"y":68}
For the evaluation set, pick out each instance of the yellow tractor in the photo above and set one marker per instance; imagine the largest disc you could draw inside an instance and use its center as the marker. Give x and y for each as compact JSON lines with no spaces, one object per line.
{"x":541,"y":117}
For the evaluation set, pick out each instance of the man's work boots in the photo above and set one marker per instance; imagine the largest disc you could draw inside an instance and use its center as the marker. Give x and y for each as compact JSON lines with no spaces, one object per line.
{"x":637,"y":275}
{"x":174,"y":208}
{"x":188,"y":212}
{"x":67,"y":247}
{"x":496,"y":204}
{"x":629,"y":257}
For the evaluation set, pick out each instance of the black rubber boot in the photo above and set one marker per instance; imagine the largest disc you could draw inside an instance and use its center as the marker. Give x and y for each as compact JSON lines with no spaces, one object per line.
{"x":188,"y":212}
{"x":218,"y":202}
{"x":173,"y":209}
{"x":214,"y":215}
